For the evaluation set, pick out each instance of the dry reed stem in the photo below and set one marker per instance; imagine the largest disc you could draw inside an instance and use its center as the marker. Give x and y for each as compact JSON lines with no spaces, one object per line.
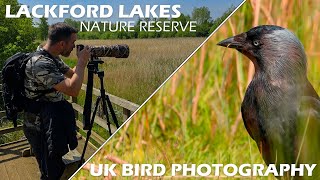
{"x":147,"y":124}
{"x":282,"y":20}
{"x":256,"y":6}
{"x":115,"y":159}
{"x":124,"y":132}
{"x":184,"y":110}
{"x":177,"y":112}
{"x":235,"y":125}
{"x":213,"y":124}
{"x":87,"y":167}
{"x":239,"y":84}
{"x":290,"y":11}
{"x":199,"y":84}
{"x":303,"y":138}
{"x":220,"y":97}
{"x":315,"y":31}
{"x":161,"y":123}
{"x":140,"y":139}
{"x":229,"y":76}
{"x":109,"y":177}
{"x":164,"y":154}
{"x":267,"y":14}
{"x":224,"y":52}
{"x":313,"y":54}
{"x":270,"y":5}
{"x":173,"y":84}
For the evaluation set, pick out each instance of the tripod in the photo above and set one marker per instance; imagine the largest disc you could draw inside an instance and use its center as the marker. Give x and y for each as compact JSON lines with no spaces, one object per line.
{"x":106,"y":103}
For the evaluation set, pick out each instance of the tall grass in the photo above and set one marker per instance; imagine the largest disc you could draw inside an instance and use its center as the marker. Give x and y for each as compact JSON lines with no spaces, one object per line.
{"x":150,"y":62}
{"x":195,"y":117}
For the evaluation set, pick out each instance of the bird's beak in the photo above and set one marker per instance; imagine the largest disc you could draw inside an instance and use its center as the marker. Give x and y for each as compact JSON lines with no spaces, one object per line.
{"x":235,"y":42}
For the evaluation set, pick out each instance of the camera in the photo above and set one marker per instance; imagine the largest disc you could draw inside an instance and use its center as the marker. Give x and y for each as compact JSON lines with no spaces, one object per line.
{"x":117,"y":51}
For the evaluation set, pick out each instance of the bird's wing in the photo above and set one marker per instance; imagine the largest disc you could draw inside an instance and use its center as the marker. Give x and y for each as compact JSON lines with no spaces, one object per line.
{"x":308,"y":131}
{"x":309,"y":90}
{"x":249,"y":116}
{"x":310,"y":106}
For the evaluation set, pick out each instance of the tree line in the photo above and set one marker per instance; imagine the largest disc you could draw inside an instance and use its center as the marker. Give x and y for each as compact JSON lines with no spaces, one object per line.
{"x":205,"y":26}
{"x":23,"y":35}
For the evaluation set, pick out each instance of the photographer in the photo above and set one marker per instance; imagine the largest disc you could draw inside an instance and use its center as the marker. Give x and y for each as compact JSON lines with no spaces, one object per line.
{"x":49,"y":121}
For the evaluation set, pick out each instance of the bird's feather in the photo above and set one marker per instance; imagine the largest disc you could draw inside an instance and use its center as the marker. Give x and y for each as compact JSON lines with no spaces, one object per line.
{"x":281,"y":109}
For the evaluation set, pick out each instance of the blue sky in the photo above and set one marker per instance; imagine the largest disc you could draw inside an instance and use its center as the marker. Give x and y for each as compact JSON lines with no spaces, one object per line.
{"x":216,"y":7}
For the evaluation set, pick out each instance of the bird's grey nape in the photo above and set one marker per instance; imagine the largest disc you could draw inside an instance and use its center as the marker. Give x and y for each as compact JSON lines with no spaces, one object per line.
{"x":284,"y":38}
{"x":283,"y":51}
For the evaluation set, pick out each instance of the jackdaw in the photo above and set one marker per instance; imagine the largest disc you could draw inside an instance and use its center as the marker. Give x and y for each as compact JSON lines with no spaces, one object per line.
{"x":281,"y":109}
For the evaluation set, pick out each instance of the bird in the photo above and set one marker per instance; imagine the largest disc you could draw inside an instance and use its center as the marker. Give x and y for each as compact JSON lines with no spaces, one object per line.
{"x":280,"y":109}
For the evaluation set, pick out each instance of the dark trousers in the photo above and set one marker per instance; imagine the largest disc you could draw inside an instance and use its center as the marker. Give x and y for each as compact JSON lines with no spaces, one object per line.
{"x":51,"y":167}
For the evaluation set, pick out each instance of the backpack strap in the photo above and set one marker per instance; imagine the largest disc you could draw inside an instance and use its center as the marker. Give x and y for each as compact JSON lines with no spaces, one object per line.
{"x":46,"y":91}
{"x":47,"y":54}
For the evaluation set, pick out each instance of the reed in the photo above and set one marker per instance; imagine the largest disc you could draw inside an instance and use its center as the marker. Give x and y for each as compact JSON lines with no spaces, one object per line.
{"x":195,"y":117}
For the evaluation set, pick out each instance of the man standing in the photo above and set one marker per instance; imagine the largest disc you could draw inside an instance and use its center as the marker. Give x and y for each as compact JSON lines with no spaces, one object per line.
{"x":49,"y":122}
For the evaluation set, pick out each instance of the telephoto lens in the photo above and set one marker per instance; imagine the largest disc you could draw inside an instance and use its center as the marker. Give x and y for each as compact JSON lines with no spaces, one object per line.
{"x":117,"y":51}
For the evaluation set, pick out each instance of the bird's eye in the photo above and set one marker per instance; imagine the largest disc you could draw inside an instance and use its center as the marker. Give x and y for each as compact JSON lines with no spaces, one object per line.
{"x":256,"y":43}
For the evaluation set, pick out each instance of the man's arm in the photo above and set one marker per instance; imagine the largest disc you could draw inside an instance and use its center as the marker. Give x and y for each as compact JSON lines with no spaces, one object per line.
{"x":70,"y":72}
{"x":71,"y":85}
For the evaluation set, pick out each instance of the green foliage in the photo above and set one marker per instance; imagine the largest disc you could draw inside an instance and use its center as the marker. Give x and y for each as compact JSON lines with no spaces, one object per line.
{"x":203,"y":29}
{"x":70,"y":62}
{"x":43,"y":28}
{"x":73,"y":23}
{"x":219,"y":20}
{"x":201,"y":15}
{"x":195,"y":117}
{"x":205,"y":26}
{"x":16,"y":34}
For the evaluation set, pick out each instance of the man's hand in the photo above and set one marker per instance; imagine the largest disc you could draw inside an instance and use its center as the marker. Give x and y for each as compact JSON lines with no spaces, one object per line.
{"x":71,"y":86}
{"x":83,"y":56}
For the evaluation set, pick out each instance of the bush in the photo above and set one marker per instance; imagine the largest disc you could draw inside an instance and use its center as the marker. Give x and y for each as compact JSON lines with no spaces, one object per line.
{"x":16,"y":34}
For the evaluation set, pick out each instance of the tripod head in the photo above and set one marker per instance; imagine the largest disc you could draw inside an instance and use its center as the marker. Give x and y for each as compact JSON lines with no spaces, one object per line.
{"x":93,"y":64}
{"x":95,"y":61}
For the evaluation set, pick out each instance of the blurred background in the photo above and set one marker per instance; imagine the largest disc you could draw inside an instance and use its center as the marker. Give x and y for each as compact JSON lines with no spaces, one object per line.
{"x":195,"y":117}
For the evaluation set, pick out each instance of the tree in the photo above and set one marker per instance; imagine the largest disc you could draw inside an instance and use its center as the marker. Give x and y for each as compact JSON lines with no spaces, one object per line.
{"x":43,"y":28}
{"x":204,"y":23}
{"x":73,"y":23}
{"x":201,"y":15}
{"x":16,"y":34}
{"x":220,"y":19}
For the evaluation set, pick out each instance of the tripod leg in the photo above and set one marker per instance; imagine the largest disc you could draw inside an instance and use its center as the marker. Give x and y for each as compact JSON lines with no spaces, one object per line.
{"x":88,"y":100}
{"x":113,"y":114}
{"x":108,"y":105}
{"x":89,"y":131}
{"x":105,"y":110}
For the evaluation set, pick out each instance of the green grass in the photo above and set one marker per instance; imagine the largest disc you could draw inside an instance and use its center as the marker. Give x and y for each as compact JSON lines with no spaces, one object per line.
{"x":10,"y":137}
{"x":150,"y":62}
